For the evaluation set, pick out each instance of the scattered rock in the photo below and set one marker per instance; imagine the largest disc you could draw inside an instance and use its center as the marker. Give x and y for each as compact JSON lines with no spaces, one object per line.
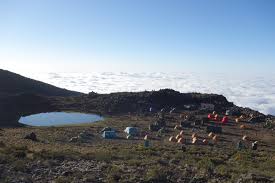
{"x":2,"y":144}
{"x":66,"y":173}
{"x":257,"y":119}
{"x":31,"y":136}
{"x":73,"y":139}
{"x":173,"y":161}
{"x":250,"y":177}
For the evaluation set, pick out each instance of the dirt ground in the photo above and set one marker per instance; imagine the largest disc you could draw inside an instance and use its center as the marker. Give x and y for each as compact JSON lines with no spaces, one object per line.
{"x":54,"y":159}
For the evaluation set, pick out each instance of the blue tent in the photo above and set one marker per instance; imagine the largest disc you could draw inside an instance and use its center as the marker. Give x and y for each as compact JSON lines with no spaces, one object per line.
{"x":131,"y":131}
{"x":109,"y":134}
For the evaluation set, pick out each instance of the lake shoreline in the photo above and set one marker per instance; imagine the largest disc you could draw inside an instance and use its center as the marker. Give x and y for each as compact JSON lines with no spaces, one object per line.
{"x":59,"y":119}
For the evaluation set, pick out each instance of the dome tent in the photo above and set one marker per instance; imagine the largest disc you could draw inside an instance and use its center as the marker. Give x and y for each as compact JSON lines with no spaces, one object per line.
{"x":109,"y":134}
{"x":133,"y":131}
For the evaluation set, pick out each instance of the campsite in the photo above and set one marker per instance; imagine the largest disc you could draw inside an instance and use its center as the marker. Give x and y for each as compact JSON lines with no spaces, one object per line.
{"x":122,"y":148}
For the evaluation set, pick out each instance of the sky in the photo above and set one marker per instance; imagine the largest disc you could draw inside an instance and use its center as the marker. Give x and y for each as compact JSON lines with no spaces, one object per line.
{"x":138,"y":36}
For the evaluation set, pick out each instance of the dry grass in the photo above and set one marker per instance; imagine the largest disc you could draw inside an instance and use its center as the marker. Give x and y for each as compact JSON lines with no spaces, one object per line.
{"x":129,"y":160}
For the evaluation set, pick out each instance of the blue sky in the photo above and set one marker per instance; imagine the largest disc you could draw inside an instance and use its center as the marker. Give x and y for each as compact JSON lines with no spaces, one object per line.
{"x":136,"y":36}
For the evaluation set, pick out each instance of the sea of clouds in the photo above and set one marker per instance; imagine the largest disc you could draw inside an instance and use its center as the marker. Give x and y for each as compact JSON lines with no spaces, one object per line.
{"x":256,"y":92}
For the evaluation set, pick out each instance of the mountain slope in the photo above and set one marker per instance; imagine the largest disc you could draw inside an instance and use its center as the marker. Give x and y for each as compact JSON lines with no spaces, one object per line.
{"x":21,"y":96}
{"x":12,"y":84}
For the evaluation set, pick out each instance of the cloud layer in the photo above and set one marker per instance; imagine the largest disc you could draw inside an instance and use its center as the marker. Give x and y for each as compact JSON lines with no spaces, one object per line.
{"x":256,"y":92}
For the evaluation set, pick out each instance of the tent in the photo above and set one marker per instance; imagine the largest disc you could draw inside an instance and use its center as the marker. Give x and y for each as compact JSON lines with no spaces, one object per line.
{"x":225,"y":119}
{"x":131,"y":131}
{"x":214,"y":129}
{"x":185,"y":124}
{"x":107,"y":129}
{"x":109,"y":134}
{"x":154,"y":127}
{"x":207,"y":107}
{"x":228,"y":113}
{"x":254,"y":145}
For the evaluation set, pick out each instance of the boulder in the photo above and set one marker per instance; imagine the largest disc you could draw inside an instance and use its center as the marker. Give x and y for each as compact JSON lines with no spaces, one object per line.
{"x":257,"y":119}
{"x":153,"y":127}
{"x":204,"y":121}
{"x":198,"y":122}
{"x":185,"y":124}
{"x":31,"y":136}
{"x":73,"y":139}
{"x":172,"y":139}
{"x":2,"y":144}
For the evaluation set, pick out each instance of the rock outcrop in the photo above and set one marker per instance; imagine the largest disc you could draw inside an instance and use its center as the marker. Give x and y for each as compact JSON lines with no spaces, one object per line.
{"x":140,"y":102}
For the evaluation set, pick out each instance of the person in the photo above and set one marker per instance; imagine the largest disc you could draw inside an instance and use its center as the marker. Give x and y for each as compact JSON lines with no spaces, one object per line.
{"x":146,"y":143}
{"x":240,"y":145}
{"x":160,"y":132}
{"x":183,"y":148}
{"x":216,"y":118}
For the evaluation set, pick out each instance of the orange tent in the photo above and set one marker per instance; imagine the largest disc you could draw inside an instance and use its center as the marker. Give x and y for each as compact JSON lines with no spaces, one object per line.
{"x":181,"y":140}
{"x":214,"y":138}
{"x":172,"y":139}
{"x":217,"y":118}
{"x":178,"y":136}
{"x":205,"y":141}
{"x":245,"y":138}
{"x":194,"y":140}
{"x":242,"y":127}
{"x":211,"y":134}
{"x":146,"y":137}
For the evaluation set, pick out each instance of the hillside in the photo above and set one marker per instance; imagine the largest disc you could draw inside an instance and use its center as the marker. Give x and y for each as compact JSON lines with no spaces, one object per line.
{"x":12,"y":84}
{"x":13,"y":107}
{"x":21,"y":96}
